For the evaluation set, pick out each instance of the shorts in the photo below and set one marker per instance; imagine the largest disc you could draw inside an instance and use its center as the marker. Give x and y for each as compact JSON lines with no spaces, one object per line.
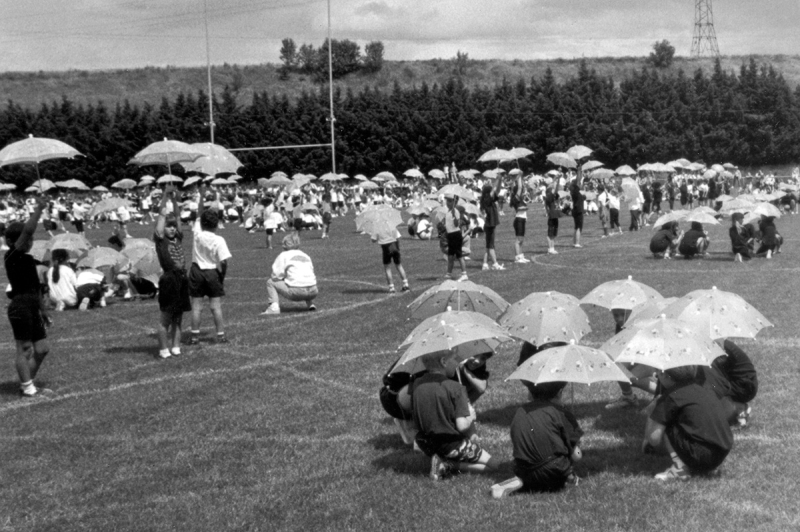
{"x":699,"y":457}
{"x":78,"y":225}
{"x":298,"y":224}
{"x":489,"y":234}
{"x":465,"y":451}
{"x":327,"y":217}
{"x":578,"y":219}
{"x":551,"y":476}
{"x":519,"y":227}
{"x":91,"y":291}
{"x":391,"y":253}
{"x":552,"y":227}
{"x":173,"y":292}
{"x":204,"y":283}
{"x":25,"y":317}
{"x":455,"y":241}
{"x":270,"y":231}
{"x":50,"y":225}
{"x":62,"y":215}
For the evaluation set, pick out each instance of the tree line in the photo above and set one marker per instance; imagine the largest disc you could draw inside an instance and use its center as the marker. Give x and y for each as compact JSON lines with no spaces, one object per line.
{"x":749,"y":118}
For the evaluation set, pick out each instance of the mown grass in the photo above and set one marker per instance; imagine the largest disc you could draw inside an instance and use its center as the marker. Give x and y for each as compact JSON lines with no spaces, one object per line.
{"x":282,"y":429}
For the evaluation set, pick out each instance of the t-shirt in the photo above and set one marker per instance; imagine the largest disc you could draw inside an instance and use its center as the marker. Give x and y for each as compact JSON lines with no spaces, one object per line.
{"x":697,"y":413}
{"x":209,"y":248}
{"x":90,"y":277}
{"x":577,"y":199}
{"x":170,"y":252}
{"x":436,"y":402}
{"x":689,"y":242}
{"x":21,"y":273}
{"x":295,"y":268}
{"x":489,"y":206}
{"x":542,"y":431}
{"x":423,"y":226}
{"x":65,"y":289}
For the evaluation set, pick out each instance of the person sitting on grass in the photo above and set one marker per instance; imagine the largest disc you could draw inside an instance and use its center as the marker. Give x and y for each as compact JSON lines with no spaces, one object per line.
{"x":742,"y":238}
{"x":292,"y":277}
{"x":666,"y":241}
{"x":62,"y":281}
{"x":390,"y":247}
{"x":545,"y":438}
{"x":91,"y":288}
{"x":694,"y":242}
{"x":442,"y":412}
{"x":424,"y":228}
{"x":771,"y":240}
{"x":733,"y":378}
{"x":688,"y":423}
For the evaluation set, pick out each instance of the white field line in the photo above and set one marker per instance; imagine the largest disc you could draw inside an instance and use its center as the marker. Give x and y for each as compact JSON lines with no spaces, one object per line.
{"x":741,"y":269}
{"x":233,"y":438}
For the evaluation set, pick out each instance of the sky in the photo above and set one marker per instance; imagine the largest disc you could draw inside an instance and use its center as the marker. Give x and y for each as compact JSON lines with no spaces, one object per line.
{"x":114,"y":34}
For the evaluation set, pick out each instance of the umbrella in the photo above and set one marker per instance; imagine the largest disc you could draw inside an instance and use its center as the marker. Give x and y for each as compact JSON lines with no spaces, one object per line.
{"x":569,"y":363}
{"x":279,"y":173}
{"x":330,"y":177}
{"x":437,"y":174}
{"x":139,"y":243}
{"x":108,"y":204}
{"x":166,"y":153}
{"x":650,"y":310}
{"x":579,"y":152}
{"x":215,"y":160}
{"x":470,"y":332}
{"x":169,"y":178}
{"x":40,"y":250}
{"x":674,"y":216}
{"x":369,"y":185}
{"x":544,"y":317}
{"x":417,"y":209}
{"x":767,"y":209}
{"x":519,"y":153}
{"x":388,"y":176}
{"x":685,"y":162}
{"x":72,"y":183}
{"x":591,"y":165}
{"x":360,"y":177}
{"x":515,"y":171}
{"x":101,"y":256}
{"x":623,"y":294}
{"x":431,"y":203}
{"x":299,"y":180}
{"x":718,"y":314}
{"x":74,"y":243}
{"x":456,"y":190}
{"x":41,"y":185}
{"x":724,"y":197}
{"x":696,"y":167}
{"x":413,"y":172}
{"x":625,"y":170}
{"x":630,"y":188}
{"x":463,"y":295}
{"x":220,"y":181}
{"x":602,"y":174}
{"x":144,"y":264}
{"x":7,"y":186}
{"x":496,"y":155}
{"x":736,"y":205}
{"x":729,"y":166}
{"x":677,"y":164}
{"x":709,"y":174}
{"x":377,"y":222}
{"x":562,"y":159}
{"x":192,"y":180}
{"x":100,"y":188}
{"x":718,"y":168}
{"x":34,"y":150}
{"x":275,"y":180}
{"x":124,"y":183}
{"x":469,"y":208}
{"x":662,"y":343}
{"x":702,"y":217}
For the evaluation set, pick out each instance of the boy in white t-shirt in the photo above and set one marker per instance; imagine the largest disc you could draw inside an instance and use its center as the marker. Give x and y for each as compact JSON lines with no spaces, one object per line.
{"x":210,"y":256}
{"x":292,"y":277}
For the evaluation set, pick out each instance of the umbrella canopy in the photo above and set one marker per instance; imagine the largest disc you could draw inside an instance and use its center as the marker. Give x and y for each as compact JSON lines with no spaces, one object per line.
{"x":166,"y":153}
{"x":544,"y":317}
{"x":144,"y":263}
{"x":386,"y":175}
{"x":40,"y":250}
{"x":470,"y":332}
{"x":767,"y":209}
{"x":569,"y":363}
{"x":650,"y":310}
{"x":685,"y":162}
{"x":330,"y":177}
{"x":662,"y":343}
{"x":463,"y":295}
{"x":710,"y":174}
{"x":625,"y":170}
{"x":718,"y":168}
{"x":579,"y":152}
{"x":591,"y":165}
{"x":215,"y":160}
{"x":519,"y":153}
{"x":630,"y":188}
{"x":602,"y":174}
{"x":42,"y":185}
{"x":101,"y":256}
{"x":674,"y":216}
{"x":496,"y":155}
{"x":437,"y":174}
{"x":562,"y":159}
{"x":718,"y":314}
{"x":736,"y":205}
{"x":192,"y":180}
{"x":369,"y":185}
{"x":220,"y":181}
{"x":413,"y":172}
{"x":34,"y":150}
{"x":677,"y":164}
{"x":72,"y":183}
{"x":169,"y":178}
{"x":124,"y":184}
{"x":702,"y":217}
{"x":379,"y":222}
{"x":418,"y":209}
{"x":275,"y":180}
{"x":100,"y":188}
{"x":456,"y":190}
{"x":74,"y":243}
{"x":107,"y":205}
{"x":622,"y":294}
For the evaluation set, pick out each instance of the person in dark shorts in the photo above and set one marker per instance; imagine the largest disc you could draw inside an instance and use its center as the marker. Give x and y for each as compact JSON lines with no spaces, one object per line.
{"x":551,"y":204}
{"x":694,"y":242}
{"x":173,"y":286}
{"x":489,"y":195}
{"x":578,"y":201}
{"x":207,"y":275}
{"x":733,"y":379}
{"x":688,"y":423}
{"x":443,"y":415}
{"x":771,"y":239}
{"x":742,"y":238}
{"x":545,"y":438}
{"x":26,"y":313}
{"x":390,"y":247}
{"x":455,"y":239}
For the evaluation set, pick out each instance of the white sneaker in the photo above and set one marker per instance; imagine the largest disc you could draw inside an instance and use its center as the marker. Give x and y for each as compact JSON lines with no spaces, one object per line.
{"x":521,"y":260}
{"x":485,"y":267}
{"x":552,"y":252}
{"x":272,"y":309}
{"x":497,"y":266}
{"x":103,"y":302}
{"x":84,"y":304}
{"x":60,"y":306}
{"x":463,"y":277}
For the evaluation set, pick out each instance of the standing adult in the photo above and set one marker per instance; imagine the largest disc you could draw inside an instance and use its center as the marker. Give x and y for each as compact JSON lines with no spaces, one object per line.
{"x":489,"y":197}
{"x":25,"y":312}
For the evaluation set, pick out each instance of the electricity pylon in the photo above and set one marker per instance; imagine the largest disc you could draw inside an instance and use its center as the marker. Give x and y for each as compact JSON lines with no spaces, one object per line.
{"x":704,"y":40}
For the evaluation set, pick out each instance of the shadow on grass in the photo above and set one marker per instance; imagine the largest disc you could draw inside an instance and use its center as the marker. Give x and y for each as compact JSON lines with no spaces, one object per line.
{"x":11,"y":388}
{"x":375,"y":290}
{"x":148,"y":348}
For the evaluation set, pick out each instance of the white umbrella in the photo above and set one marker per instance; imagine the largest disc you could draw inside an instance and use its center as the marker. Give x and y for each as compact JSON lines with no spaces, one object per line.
{"x":34,"y":150}
{"x":215,"y":160}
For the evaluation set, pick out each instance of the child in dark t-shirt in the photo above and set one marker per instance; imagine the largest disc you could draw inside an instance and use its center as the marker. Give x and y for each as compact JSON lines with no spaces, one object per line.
{"x":733,"y":378}
{"x":441,"y":411}
{"x":689,"y":423}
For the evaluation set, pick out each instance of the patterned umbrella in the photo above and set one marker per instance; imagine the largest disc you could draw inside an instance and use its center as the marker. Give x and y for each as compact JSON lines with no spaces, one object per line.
{"x":470,"y":332}
{"x":101,"y":256}
{"x":736,"y":205}
{"x":623,"y":294}
{"x":144,"y":264}
{"x":569,"y":363}
{"x":166,"y":153}
{"x":463,"y":295}
{"x":544,"y":317}
{"x":674,"y":216}
{"x":379,"y":221}
{"x":650,"y":310}
{"x":662,"y":343}
{"x":74,"y":243}
{"x":718,"y":313}
{"x":767,"y":209}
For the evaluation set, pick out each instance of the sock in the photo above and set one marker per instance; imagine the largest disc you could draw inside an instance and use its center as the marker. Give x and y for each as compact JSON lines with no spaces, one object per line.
{"x":27,"y":387}
{"x":676,"y":460}
{"x":176,"y":350}
{"x":220,"y":334}
{"x":196,"y":333}
{"x":391,"y":286}
{"x":405,"y":282}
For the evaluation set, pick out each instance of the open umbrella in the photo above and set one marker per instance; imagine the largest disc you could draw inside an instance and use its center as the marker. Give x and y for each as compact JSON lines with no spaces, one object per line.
{"x":124,"y":184}
{"x":41,"y":185}
{"x":192,"y":180}
{"x":702,"y":217}
{"x":562,"y":159}
{"x":766,"y":209}
{"x":437,"y":174}
{"x":496,"y":155}
{"x":413,"y":172}
{"x":674,"y":216}
{"x":275,"y":181}
{"x":544,"y":317}
{"x":718,"y":314}
{"x":74,"y":243}
{"x":166,"y":153}
{"x":34,"y":150}
{"x":456,"y":190}
{"x":418,"y":209}
{"x":625,"y":170}
{"x":603,"y":174}
{"x":569,"y":363}
{"x":100,"y":188}
{"x":650,"y":310}
{"x":369,"y":185}
{"x":470,"y":332}
{"x":107,"y":205}
{"x":591,"y":165}
{"x":662,"y":343}
{"x":386,"y":175}
{"x":379,"y":222}
{"x":330,"y":176}
{"x":215,"y":160}
{"x":736,"y":205}
{"x":579,"y":152}
{"x":463,"y":295}
{"x":622,"y":294}
{"x":169,"y":178}
{"x":101,"y":256}
{"x":519,"y":153}
{"x":630,"y":188}
{"x":144,"y":263}
{"x":73,"y":183}
{"x":220,"y":181}
{"x":40,"y":250}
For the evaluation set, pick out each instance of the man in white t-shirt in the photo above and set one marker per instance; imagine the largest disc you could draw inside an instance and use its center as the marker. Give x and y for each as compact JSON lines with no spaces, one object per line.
{"x":206,"y":277}
{"x":292,"y":277}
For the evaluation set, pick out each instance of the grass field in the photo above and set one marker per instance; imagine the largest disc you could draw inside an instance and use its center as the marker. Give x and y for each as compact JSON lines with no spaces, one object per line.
{"x":281,"y":429}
